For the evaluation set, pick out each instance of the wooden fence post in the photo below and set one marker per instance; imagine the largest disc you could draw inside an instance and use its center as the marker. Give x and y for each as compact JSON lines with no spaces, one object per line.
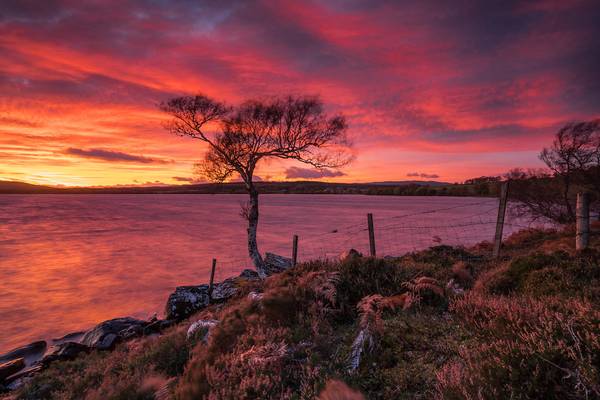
{"x":582,"y":237}
{"x":294,"y":250}
{"x":500,"y":219}
{"x":212,"y":278}
{"x":371,"y":234}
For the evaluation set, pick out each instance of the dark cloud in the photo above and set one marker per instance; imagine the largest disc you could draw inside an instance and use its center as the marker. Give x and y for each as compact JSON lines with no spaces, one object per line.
{"x":311,"y":173}
{"x":110,"y":155}
{"x":183,"y":179}
{"x":496,"y":132}
{"x":422,"y":175}
{"x":188,"y":179}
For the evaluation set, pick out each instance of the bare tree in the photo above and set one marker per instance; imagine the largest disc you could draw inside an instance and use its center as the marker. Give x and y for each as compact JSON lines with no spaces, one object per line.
{"x":239,"y":137}
{"x":575,"y":153}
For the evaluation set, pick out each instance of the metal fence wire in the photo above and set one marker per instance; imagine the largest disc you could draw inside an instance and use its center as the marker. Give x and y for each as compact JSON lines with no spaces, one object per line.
{"x":401,"y":234}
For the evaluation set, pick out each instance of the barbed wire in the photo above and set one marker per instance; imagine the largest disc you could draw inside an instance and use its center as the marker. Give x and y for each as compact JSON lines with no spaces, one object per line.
{"x":408,"y":232}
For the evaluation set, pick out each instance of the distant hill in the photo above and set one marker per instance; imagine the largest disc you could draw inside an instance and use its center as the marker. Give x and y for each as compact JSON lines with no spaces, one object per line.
{"x":396,"y":188}
{"x":7,"y":187}
{"x":420,"y":183}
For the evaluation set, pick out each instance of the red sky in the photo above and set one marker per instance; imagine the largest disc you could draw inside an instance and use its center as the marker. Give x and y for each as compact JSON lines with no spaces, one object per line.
{"x":430,"y":89}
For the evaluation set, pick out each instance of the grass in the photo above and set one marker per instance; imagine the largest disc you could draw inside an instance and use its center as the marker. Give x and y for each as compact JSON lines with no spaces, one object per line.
{"x":527,"y":327}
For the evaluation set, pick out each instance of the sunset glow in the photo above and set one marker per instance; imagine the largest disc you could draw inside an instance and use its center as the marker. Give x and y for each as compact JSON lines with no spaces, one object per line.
{"x":430,"y":91}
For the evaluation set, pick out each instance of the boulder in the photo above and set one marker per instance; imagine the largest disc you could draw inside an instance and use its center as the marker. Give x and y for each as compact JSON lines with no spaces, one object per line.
{"x":349,"y":255}
{"x":106,"y":334}
{"x":30,"y":352}
{"x":225,"y":290}
{"x":202,"y":329}
{"x":275,"y":263}
{"x":16,"y":380}
{"x":11,"y":367}
{"x":70,"y":337}
{"x":158,"y":325}
{"x":249,"y":274}
{"x":64,"y":351}
{"x":186,"y":300}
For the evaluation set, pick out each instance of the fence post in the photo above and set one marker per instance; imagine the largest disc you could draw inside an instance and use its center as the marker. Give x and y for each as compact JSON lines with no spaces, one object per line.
{"x":582,"y":237}
{"x":371,"y":234}
{"x":212,"y":278}
{"x":294,"y":250}
{"x":500,"y":219}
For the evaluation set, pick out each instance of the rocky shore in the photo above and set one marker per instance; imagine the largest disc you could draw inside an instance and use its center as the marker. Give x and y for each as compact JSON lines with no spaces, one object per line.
{"x":21,"y":364}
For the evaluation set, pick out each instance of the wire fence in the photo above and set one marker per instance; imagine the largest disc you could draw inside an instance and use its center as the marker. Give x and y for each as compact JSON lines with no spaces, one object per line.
{"x":400,"y":234}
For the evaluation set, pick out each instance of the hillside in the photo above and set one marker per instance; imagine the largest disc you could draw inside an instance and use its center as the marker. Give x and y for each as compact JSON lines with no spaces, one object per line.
{"x":446,"y":323}
{"x":407,"y":188}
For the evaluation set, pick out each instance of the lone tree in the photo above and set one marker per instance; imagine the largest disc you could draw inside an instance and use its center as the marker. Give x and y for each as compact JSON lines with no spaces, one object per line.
{"x":238,"y":137}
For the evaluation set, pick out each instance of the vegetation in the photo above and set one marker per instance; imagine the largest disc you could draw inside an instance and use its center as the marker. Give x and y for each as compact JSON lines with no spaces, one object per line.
{"x":445,"y":323}
{"x":573,"y":163}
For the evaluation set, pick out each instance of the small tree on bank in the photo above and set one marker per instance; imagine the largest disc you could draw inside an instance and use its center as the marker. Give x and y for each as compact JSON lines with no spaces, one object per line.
{"x":239,"y":137}
{"x":573,"y":163}
{"x":574,"y":158}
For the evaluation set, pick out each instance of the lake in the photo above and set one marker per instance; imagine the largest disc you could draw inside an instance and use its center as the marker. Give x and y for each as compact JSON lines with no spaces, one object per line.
{"x":68,"y":262}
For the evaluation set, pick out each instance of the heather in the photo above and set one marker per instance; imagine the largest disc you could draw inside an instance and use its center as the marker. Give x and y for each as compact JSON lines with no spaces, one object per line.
{"x":446,"y":323}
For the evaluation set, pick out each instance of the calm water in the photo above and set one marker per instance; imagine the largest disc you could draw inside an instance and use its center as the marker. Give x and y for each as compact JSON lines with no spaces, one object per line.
{"x":68,"y":262}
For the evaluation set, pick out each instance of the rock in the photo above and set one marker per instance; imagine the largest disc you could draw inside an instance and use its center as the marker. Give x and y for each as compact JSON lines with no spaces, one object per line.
{"x":349,"y":255}
{"x":106,"y":334}
{"x":275,"y":263}
{"x":11,"y":367}
{"x":230,"y":287}
{"x":29,"y":352}
{"x":158,"y":325}
{"x":16,"y":380}
{"x":249,"y":274}
{"x":64,"y":351}
{"x":186,"y":300}
{"x":225,"y":290}
{"x":70,"y":337}
{"x":202,"y":328}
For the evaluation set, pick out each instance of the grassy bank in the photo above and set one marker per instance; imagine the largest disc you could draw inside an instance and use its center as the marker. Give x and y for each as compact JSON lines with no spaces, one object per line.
{"x":444,"y":323}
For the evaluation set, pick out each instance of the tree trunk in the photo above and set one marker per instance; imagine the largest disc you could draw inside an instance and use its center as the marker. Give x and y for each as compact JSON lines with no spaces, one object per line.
{"x":570,"y":213}
{"x":252,"y":231}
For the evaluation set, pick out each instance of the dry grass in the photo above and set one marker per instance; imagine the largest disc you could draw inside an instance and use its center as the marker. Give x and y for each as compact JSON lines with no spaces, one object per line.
{"x":527,"y":329}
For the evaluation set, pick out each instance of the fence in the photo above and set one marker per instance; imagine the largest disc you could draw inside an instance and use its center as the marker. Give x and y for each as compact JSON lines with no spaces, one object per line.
{"x":396,"y":235}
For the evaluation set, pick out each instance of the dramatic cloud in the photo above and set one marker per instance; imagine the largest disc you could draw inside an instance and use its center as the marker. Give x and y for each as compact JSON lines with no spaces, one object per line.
{"x":109,"y":155}
{"x":311,"y":173}
{"x":426,"y":85}
{"x":183,"y":179}
{"x":422,"y":175}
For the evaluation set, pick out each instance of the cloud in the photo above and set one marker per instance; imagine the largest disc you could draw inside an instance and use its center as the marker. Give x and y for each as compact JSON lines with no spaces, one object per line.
{"x":422,"y":175}
{"x":188,"y":179}
{"x":110,"y":155}
{"x":311,"y":173}
{"x":183,"y":179}
{"x":410,"y":76}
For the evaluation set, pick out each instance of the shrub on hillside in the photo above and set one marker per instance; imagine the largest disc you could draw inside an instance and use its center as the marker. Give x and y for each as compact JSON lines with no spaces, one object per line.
{"x":525,"y":349}
{"x":540,"y":274}
{"x":267,"y":349}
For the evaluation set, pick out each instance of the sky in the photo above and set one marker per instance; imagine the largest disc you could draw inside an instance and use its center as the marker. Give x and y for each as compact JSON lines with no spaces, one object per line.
{"x":432,"y":90}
